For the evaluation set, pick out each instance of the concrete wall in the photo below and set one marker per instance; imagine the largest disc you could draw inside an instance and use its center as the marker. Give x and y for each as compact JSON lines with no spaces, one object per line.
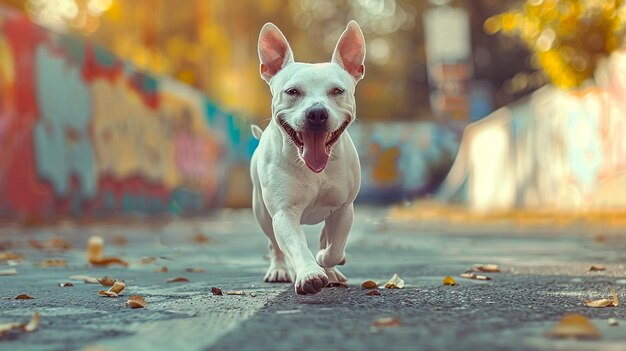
{"x":555,"y":150}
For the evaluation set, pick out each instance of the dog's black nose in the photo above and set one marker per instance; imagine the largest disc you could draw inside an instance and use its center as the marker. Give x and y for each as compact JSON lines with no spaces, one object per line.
{"x":316,"y":115}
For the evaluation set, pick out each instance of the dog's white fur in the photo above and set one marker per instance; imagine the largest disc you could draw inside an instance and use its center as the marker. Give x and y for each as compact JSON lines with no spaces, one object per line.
{"x":286,"y":192}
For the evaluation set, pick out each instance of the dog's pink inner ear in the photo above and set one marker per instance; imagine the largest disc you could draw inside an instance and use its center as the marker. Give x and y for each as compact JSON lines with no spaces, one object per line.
{"x":350,"y":51}
{"x":274,"y":52}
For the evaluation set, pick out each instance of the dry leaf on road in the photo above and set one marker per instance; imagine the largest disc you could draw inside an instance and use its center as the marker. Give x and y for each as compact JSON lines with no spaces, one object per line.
{"x":472,"y":275}
{"x":574,"y":326}
{"x":369,"y":284}
{"x":177,"y":280}
{"x":115,"y":290}
{"x":147,"y":260}
{"x":53,"y":262}
{"x":373,"y":293}
{"x":449,"y":281}
{"x":9,"y":256}
{"x":23,"y":297}
{"x":106,"y":281}
{"x":596,"y":268}
{"x":66,"y":285}
{"x":386,"y":322}
{"x":612,"y":302}
{"x":136,"y":301}
{"x":11,"y":271}
{"x":216,"y":291}
{"x":26,"y":327}
{"x":235,"y":292}
{"x":395,"y":283}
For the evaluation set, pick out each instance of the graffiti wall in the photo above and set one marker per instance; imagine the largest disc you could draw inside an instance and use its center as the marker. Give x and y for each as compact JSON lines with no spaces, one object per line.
{"x":84,"y":134}
{"x":555,"y":150}
{"x":401,"y":161}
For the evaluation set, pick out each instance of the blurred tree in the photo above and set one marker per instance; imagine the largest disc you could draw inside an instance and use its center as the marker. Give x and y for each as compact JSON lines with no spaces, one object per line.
{"x":567,"y":37}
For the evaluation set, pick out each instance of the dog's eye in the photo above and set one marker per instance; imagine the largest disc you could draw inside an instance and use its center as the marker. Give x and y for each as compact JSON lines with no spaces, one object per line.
{"x":337,"y":91}
{"x":292,"y":92}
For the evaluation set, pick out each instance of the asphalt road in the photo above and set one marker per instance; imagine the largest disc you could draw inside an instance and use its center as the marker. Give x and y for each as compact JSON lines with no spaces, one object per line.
{"x":544,"y":276}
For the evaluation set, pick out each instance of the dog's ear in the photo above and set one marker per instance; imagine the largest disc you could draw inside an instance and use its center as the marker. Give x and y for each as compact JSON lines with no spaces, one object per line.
{"x":350,"y":51}
{"x":274,"y":51}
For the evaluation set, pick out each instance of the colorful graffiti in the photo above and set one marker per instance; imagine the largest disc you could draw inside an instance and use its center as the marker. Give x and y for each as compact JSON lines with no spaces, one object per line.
{"x":400,"y":161}
{"x":555,"y":150}
{"x":84,"y":134}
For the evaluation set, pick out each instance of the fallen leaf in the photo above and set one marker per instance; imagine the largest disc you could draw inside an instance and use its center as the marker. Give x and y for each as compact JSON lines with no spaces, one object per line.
{"x":7,"y":327}
{"x":147,"y":260}
{"x":66,"y":285}
{"x":26,"y":327}
{"x":373,"y":293}
{"x":24,"y":297}
{"x":472,"y":275}
{"x":386,"y":322}
{"x":136,"y":301}
{"x":337,"y":285}
{"x":216,"y":291}
{"x":574,"y":326}
{"x":95,"y":249}
{"x":115,"y":290}
{"x":612,"y":302}
{"x":235,"y":292}
{"x":11,"y":271}
{"x":57,"y":244}
{"x":449,"y":281}
{"x":33,"y":324}
{"x":161,"y":270}
{"x":177,"y":280}
{"x":486,"y":268}
{"x":596,"y":268}
{"x":395,"y":283}
{"x":252,"y":294}
{"x":369,"y":284}
{"x":9,"y":256}
{"x":612,"y":322}
{"x":106,"y":281}
{"x":202,"y":239}
{"x":194,"y":270}
{"x":53,"y":262}
{"x":108,"y":261}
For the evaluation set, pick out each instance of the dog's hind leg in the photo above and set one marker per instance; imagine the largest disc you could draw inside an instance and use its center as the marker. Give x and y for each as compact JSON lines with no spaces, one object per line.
{"x":278,"y":272}
{"x":333,"y":242}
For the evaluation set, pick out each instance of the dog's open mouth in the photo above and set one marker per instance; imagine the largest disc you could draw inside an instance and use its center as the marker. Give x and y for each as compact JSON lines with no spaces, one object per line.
{"x":314,"y":147}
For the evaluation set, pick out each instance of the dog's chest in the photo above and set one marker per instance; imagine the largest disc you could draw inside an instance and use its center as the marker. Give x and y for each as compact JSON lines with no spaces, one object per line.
{"x":328,"y":200}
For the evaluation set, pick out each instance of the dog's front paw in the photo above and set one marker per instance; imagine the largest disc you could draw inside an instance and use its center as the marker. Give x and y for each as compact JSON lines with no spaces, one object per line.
{"x":311,"y":280}
{"x":278,"y":274}
{"x":334,"y":276}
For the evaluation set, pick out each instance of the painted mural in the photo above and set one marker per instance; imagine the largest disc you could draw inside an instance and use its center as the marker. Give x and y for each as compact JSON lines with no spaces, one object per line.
{"x":84,"y":134}
{"x":555,"y":150}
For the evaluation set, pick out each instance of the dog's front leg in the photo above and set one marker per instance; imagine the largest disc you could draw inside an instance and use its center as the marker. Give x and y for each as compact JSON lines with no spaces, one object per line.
{"x":310,"y":277}
{"x":333,"y":242}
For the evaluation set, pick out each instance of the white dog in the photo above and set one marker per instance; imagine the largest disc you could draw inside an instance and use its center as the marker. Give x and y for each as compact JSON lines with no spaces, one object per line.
{"x":306,"y":169}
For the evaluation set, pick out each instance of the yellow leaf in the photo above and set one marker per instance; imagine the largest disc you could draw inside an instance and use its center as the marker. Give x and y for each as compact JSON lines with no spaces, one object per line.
{"x":574,"y":326}
{"x":449,"y":281}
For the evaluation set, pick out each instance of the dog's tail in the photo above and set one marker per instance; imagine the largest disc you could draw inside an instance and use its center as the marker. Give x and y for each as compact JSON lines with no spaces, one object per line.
{"x":256,"y":131}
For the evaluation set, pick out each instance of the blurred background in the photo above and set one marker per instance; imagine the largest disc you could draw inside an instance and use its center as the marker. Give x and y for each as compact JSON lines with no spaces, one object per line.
{"x":143,"y":107}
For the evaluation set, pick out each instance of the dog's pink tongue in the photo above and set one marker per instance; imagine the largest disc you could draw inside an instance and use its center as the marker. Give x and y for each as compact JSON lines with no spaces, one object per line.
{"x":314,"y":150}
